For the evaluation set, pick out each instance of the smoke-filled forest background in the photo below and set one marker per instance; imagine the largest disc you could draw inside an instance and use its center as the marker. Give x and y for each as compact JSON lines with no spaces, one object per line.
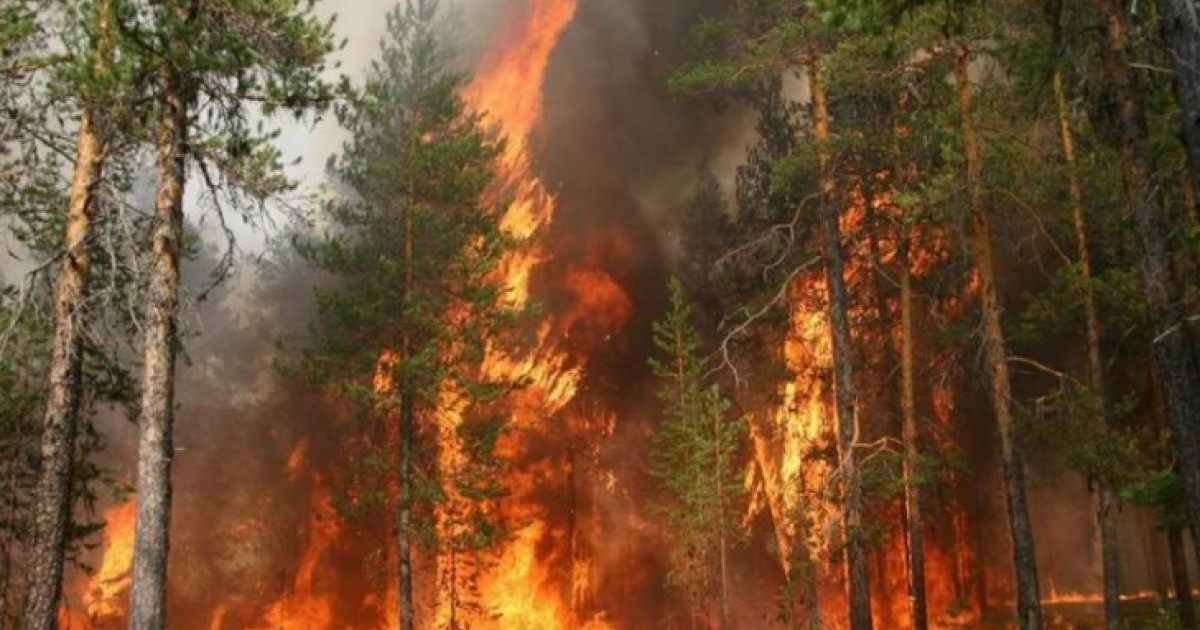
{"x":599,"y":314}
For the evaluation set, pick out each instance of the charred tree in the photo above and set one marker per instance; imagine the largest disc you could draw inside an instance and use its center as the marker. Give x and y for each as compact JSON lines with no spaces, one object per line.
{"x":1029,"y":611}
{"x":1173,"y":347}
{"x":858,"y":582}
{"x":65,"y":381}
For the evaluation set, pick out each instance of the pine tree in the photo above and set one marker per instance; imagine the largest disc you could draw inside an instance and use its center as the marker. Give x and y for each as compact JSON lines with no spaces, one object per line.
{"x":418,"y":241}
{"x":744,"y":55}
{"x":90,"y":79}
{"x":232,"y":57}
{"x":1173,"y":343}
{"x":694,"y":457}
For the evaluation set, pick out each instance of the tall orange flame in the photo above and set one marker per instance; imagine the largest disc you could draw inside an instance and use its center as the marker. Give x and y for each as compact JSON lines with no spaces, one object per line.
{"x":308,"y":604}
{"x":509,"y":89}
{"x":102,"y":597}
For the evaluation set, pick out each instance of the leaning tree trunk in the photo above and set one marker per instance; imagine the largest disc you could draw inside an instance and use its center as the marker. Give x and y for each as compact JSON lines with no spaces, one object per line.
{"x":1106,"y":499}
{"x":147,"y":604}
{"x":1029,"y":610}
{"x":1180,"y":22}
{"x":1173,"y":348}
{"x":52,"y":495}
{"x":857,"y":577}
{"x":53,"y":491}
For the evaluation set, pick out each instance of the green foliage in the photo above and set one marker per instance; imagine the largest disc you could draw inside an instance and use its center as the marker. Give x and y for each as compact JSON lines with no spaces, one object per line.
{"x":24,"y":353}
{"x":414,"y":246}
{"x":1162,"y":491}
{"x":694,"y":458}
{"x":1065,"y":423}
{"x":22,"y":365}
{"x":1165,"y":617}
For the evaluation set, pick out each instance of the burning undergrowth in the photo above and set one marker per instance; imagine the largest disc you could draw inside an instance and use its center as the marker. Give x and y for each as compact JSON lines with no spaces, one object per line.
{"x":261,"y":534}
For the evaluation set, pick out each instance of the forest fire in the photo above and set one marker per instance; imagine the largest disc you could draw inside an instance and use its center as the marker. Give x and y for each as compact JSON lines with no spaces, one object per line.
{"x":111,"y":579}
{"x":582,"y":550}
{"x":308,"y":605}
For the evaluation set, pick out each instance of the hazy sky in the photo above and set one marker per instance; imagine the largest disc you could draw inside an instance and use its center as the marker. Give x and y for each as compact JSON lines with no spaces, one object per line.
{"x":362,"y":24}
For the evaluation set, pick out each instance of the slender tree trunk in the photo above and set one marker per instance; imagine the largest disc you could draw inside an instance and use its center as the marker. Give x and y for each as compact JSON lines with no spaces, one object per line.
{"x":1190,"y":203}
{"x":1106,"y":500}
{"x":1179,"y":578}
{"x":155,"y":448}
{"x":914,"y":523}
{"x":53,"y":491}
{"x":1173,"y":347}
{"x":1180,"y":23}
{"x":404,"y":516}
{"x":883,"y":315}
{"x":52,"y":495}
{"x":721,"y":541}
{"x":8,"y":611}
{"x":1029,"y":611}
{"x":408,"y":421}
{"x":857,"y":575}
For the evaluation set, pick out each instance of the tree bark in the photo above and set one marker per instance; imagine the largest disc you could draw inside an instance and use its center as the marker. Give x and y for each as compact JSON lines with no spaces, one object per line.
{"x":1191,"y":205}
{"x":857,"y":575}
{"x":1180,"y":24}
{"x":1029,"y":611}
{"x":1173,"y":347}
{"x":408,"y":419}
{"x":1179,"y":578}
{"x":913,"y":522}
{"x":52,"y":494}
{"x":404,"y":514}
{"x":155,"y":447}
{"x":1105,"y":498}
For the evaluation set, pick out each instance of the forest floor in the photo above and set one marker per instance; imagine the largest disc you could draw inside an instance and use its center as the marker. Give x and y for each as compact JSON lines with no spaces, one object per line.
{"x":1137,"y":614}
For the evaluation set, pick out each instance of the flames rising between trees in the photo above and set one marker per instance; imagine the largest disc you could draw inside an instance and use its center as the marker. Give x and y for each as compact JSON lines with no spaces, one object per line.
{"x":948,"y":286}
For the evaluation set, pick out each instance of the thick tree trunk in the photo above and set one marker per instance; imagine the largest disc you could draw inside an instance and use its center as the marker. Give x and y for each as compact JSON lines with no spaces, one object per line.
{"x":858,"y":581}
{"x":1174,"y":351}
{"x":53,"y":491}
{"x":1179,"y":578}
{"x":914,"y":523}
{"x":1029,"y":610}
{"x":1105,"y":498}
{"x":52,"y":495}
{"x":155,"y":448}
{"x":1180,"y":22}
